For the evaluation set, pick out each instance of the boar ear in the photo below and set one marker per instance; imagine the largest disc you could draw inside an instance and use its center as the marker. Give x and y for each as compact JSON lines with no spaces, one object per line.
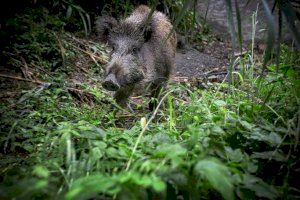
{"x":104,"y":25}
{"x":147,"y":32}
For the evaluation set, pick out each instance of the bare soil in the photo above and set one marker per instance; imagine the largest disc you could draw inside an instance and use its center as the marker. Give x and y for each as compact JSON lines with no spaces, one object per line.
{"x":191,"y":62}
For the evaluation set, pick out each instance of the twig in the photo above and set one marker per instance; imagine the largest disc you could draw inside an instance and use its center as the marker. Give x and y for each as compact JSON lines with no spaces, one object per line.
{"x":79,"y":40}
{"x":62,"y":49}
{"x":216,"y":74}
{"x":101,"y":60}
{"x":129,"y":115}
{"x":22,"y":79}
{"x":39,"y":68}
{"x":84,"y":70}
{"x":209,"y":72}
{"x":25,"y":70}
{"x":136,"y":97}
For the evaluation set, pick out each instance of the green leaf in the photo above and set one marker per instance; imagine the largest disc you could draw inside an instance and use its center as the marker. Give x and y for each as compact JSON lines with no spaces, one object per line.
{"x":170,"y":150}
{"x":269,"y":155}
{"x":100,"y":144}
{"x":247,"y":125}
{"x":174,"y":152}
{"x":152,"y":180}
{"x":40,"y":184}
{"x":274,"y":139}
{"x":260,"y":188}
{"x":234,"y":155}
{"x":100,"y":131}
{"x":87,"y":187}
{"x":96,"y":153}
{"x":157,"y":184}
{"x":69,"y":12}
{"x":41,"y":171}
{"x":112,"y":152}
{"x":218,"y":176}
{"x":220,"y":103}
{"x":217,"y":130}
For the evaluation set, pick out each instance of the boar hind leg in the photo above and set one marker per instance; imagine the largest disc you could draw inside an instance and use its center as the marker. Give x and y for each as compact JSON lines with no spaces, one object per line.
{"x":122,"y":95}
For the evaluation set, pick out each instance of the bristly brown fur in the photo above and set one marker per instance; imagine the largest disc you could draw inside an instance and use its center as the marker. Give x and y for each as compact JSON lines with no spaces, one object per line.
{"x":103,"y":25}
{"x":144,"y":51}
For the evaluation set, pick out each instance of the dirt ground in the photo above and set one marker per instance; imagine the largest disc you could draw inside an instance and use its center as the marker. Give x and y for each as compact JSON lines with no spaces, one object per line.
{"x":191,"y":62}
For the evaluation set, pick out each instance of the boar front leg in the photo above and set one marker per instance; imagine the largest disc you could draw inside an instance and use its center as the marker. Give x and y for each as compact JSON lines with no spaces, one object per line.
{"x":121,"y":96}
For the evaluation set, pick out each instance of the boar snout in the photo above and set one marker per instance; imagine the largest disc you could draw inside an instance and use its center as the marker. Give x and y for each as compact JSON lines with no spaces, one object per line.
{"x":110,"y":83}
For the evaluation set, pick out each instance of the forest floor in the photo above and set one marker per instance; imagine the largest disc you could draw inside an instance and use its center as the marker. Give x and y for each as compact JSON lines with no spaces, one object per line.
{"x":194,"y":63}
{"x":209,"y":62}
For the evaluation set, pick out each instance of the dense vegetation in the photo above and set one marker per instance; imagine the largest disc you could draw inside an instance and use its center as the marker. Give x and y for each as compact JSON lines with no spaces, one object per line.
{"x":62,"y":137}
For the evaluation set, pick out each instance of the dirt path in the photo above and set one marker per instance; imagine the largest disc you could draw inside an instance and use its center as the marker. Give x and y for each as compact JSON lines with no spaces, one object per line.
{"x":193,"y":63}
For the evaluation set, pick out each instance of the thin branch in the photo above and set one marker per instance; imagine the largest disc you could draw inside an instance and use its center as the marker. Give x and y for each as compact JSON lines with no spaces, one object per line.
{"x":22,"y":79}
{"x":101,"y":60}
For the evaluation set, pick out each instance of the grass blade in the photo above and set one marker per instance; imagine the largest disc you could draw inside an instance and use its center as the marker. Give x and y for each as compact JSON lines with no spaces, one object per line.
{"x":88,"y":23}
{"x":84,"y":23}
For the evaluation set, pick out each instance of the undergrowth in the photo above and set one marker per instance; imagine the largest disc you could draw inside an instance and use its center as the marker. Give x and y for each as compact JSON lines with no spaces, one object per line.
{"x":64,"y":138}
{"x":223,"y":139}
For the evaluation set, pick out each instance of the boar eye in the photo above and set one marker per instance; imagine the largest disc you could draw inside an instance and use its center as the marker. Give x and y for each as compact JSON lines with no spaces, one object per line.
{"x":134,"y":50}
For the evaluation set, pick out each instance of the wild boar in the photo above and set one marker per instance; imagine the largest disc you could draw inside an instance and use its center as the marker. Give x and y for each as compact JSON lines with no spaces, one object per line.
{"x":143,"y":53}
